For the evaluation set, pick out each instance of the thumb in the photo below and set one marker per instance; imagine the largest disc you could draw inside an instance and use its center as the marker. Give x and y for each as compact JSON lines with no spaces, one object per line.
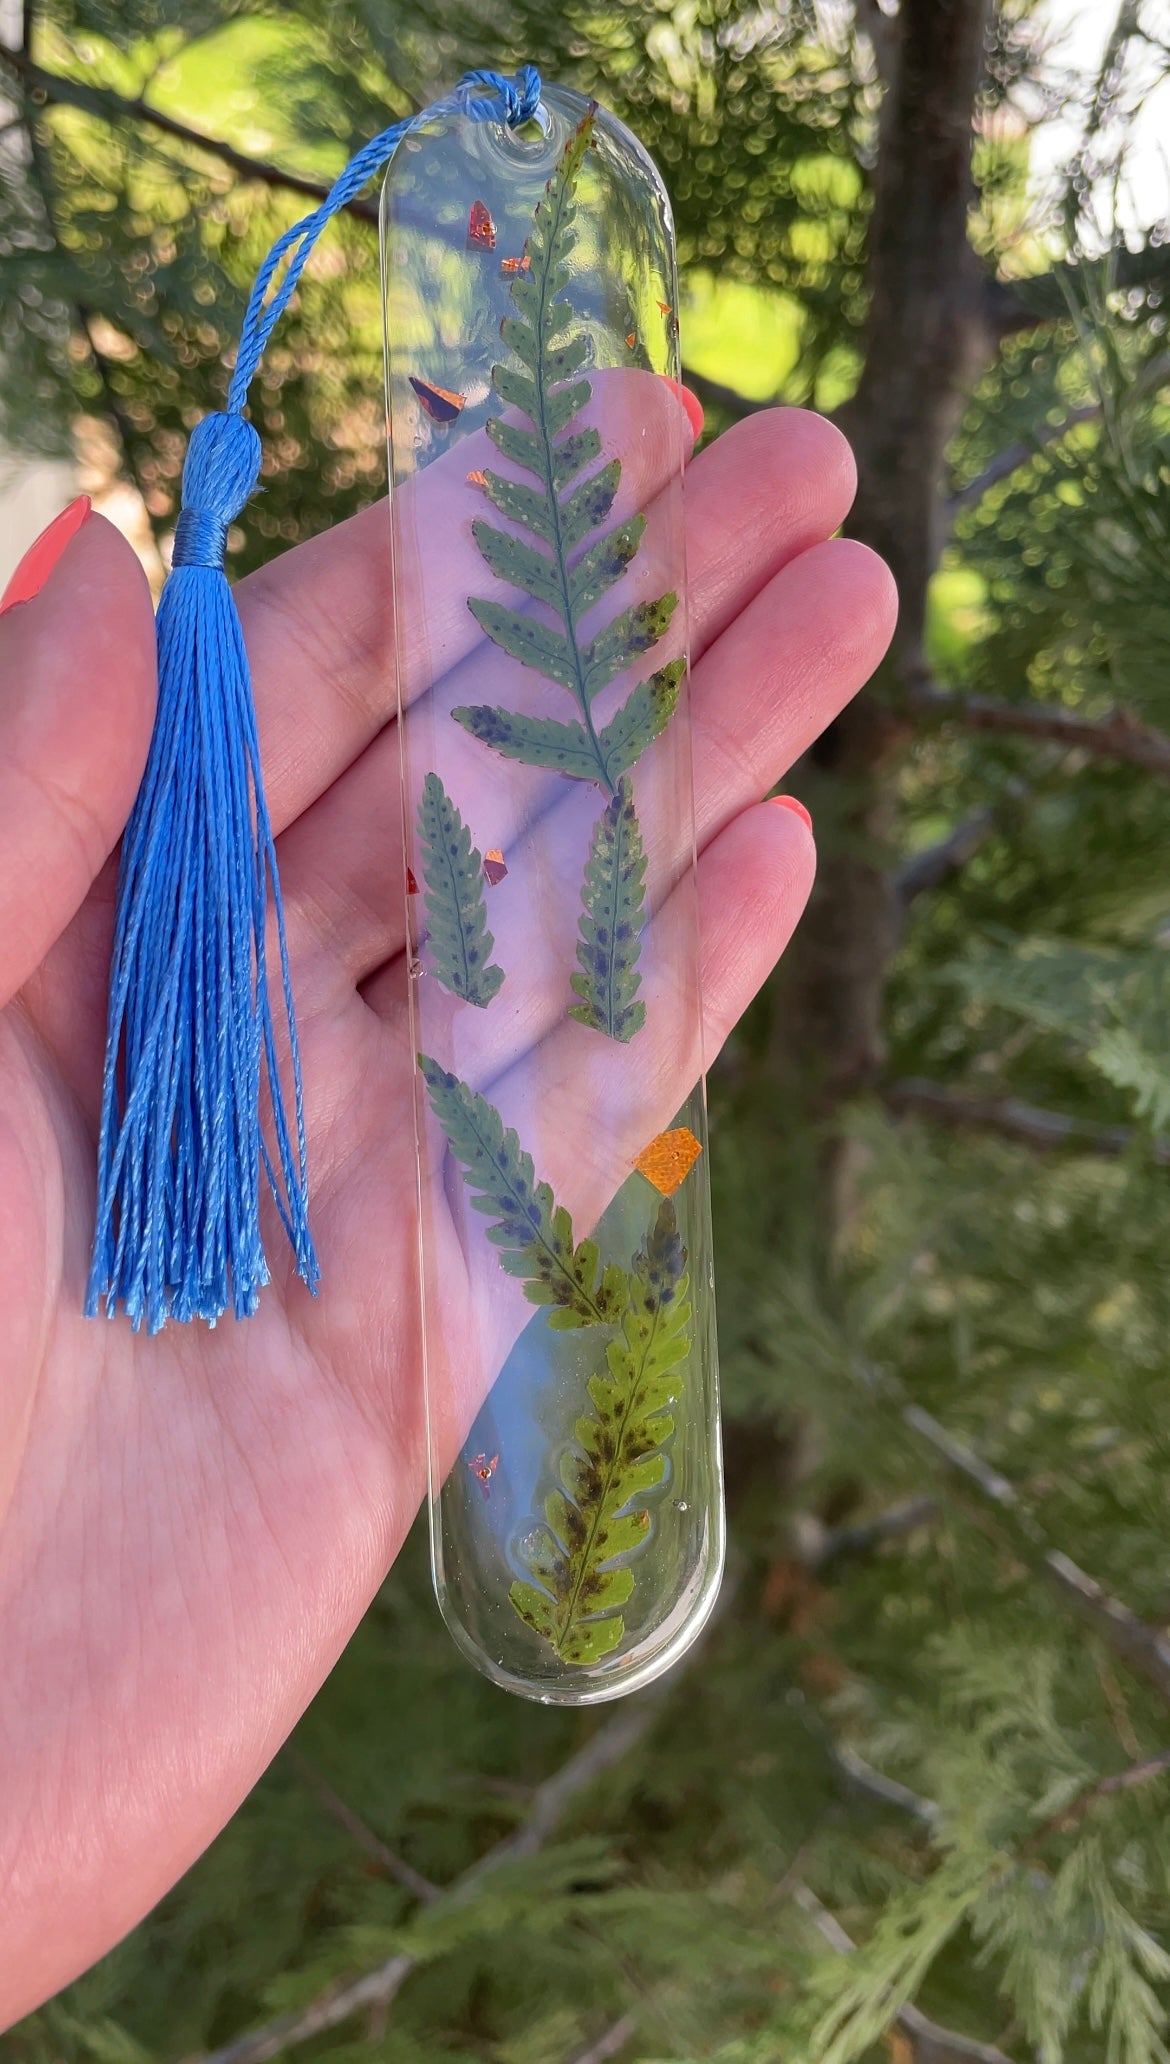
{"x":77,"y":693}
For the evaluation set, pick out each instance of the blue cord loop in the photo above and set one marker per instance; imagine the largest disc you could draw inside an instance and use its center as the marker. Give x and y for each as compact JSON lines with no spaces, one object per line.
{"x":192,"y":1046}
{"x":483,"y":96}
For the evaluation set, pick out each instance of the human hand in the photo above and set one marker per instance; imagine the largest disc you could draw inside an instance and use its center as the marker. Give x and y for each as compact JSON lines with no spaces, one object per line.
{"x":191,"y":1525}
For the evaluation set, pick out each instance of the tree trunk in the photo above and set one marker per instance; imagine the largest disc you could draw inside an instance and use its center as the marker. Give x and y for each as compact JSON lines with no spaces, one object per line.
{"x":925,"y":340}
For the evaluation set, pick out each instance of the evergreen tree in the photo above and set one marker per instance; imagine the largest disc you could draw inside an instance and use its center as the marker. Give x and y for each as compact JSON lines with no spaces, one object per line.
{"x":915,"y":1783}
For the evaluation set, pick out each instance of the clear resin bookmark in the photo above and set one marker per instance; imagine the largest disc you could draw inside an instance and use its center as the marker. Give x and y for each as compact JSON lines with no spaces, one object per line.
{"x":536,"y":456}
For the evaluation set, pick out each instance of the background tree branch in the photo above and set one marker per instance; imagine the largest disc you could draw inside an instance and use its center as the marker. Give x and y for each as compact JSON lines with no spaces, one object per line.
{"x":1117,"y":736}
{"x":54,"y":89}
{"x":1013,"y":1119}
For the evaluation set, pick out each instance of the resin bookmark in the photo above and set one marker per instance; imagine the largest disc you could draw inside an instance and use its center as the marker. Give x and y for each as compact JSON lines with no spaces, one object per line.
{"x":537,"y":444}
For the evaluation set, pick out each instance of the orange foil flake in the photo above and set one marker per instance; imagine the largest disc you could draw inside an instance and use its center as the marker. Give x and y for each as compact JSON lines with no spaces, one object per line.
{"x":664,"y":308}
{"x":440,"y":403}
{"x":631,"y":340}
{"x":495,"y":867}
{"x":483,"y":1468}
{"x":477,"y":479}
{"x":669,"y":1159}
{"x":481,"y":229}
{"x":523,"y":264}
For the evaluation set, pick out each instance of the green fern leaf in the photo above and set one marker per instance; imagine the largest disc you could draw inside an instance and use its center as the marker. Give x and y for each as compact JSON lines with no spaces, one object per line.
{"x":611,"y":923}
{"x":523,"y":504}
{"x":540,"y":384}
{"x":641,"y":718}
{"x":634,"y":631}
{"x":598,"y":1514}
{"x":543,"y":742}
{"x":589,"y":504}
{"x":517,"y":562}
{"x":459,"y":941}
{"x":533,"y":644}
{"x":538,"y":741}
{"x":604,"y":563}
{"x":534,"y":1234}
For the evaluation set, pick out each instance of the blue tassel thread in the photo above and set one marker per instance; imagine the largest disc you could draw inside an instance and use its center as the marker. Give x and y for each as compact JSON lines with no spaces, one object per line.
{"x":190,"y":1034}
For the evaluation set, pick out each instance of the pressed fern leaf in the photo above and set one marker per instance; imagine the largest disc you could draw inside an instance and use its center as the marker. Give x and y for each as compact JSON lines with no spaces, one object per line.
{"x":457,"y":934}
{"x":611,"y":922}
{"x":567,"y":569}
{"x":597,"y":1517}
{"x":543,"y":742}
{"x":534,"y":1234}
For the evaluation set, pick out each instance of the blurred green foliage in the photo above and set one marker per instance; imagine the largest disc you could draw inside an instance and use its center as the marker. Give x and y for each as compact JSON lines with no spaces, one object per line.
{"x":1017,"y":1298}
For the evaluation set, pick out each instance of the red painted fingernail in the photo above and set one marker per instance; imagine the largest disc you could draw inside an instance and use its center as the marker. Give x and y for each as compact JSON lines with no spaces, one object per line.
{"x":43,"y":554}
{"x":789,"y":802}
{"x":690,"y":402}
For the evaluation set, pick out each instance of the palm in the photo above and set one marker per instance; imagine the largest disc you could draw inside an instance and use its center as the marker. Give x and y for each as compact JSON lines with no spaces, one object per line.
{"x":191,"y":1525}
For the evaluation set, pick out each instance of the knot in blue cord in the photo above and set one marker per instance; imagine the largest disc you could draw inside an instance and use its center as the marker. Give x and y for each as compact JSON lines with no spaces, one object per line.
{"x":220,"y":471}
{"x":511,"y":101}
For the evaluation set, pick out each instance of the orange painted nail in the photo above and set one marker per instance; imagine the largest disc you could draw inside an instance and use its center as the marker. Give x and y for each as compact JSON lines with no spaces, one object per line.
{"x":789,"y":802}
{"x":690,"y":402}
{"x":43,"y":554}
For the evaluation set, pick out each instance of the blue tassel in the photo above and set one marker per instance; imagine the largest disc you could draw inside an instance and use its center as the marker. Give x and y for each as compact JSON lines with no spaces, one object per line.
{"x":190,"y":1038}
{"x":178,"y":1211}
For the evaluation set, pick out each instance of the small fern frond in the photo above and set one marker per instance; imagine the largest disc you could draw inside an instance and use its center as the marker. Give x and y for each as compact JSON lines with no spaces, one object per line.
{"x":459,"y":941}
{"x":533,"y":1233}
{"x":611,"y":922}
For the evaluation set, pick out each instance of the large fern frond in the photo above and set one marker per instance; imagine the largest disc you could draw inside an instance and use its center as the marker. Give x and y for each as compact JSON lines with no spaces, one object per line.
{"x":541,"y":382}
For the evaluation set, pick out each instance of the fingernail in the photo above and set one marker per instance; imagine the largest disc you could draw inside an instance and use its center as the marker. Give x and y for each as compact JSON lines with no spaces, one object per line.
{"x":690,"y":402}
{"x":789,"y":802}
{"x":43,"y":554}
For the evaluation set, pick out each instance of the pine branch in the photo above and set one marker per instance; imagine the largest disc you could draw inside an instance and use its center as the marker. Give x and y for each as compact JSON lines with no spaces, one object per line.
{"x":548,"y":1807}
{"x":1143,"y":1649}
{"x":1104,"y":1788}
{"x":887,"y":1790}
{"x":609,"y":2043}
{"x":819,"y":1545}
{"x":452,"y":869}
{"x":1082,"y":171}
{"x":575,"y":1600}
{"x":534,"y":1234}
{"x":1013,"y":456}
{"x":936,"y":864}
{"x":53,"y":88}
{"x":1012,"y":1119}
{"x":929,"y":2042}
{"x":613,"y":909}
{"x":1115,"y":737}
{"x":371,"y":1844}
{"x":1008,"y":461}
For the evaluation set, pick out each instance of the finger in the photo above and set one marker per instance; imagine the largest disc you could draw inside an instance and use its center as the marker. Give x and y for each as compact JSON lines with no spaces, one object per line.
{"x":77,"y":691}
{"x":759,"y":696}
{"x":320,"y":622}
{"x":341,"y":865}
